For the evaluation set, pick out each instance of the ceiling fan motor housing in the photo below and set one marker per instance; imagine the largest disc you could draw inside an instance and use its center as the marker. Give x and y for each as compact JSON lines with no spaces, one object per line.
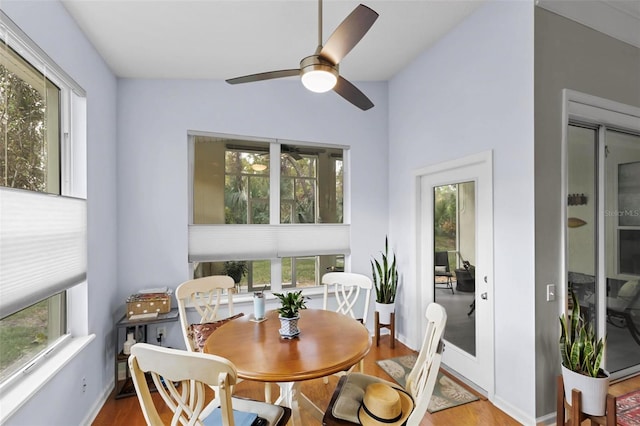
{"x":318,"y":74}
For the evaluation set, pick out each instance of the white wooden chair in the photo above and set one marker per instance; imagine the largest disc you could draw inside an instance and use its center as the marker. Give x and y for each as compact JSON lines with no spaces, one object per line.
{"x":347,"y":287}
{"x":181,"y":377}
{"x":419,"y":384}
{"x":205,"y":295}
{"x":422,"y":378}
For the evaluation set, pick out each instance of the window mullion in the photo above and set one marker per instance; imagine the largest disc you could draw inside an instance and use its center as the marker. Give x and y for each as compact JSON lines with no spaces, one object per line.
{"x":274,"y":209}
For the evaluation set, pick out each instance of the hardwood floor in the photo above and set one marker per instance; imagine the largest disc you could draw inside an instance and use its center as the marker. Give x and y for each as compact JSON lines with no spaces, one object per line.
{"x":126,"y":411}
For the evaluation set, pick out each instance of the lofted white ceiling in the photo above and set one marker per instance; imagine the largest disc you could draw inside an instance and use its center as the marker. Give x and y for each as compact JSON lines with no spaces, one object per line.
{"x":216,"y":39}
{"x":220,"y":39}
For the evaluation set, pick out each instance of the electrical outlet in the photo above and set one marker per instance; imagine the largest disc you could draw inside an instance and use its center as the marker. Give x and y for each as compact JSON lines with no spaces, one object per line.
{"x":161,"y":333}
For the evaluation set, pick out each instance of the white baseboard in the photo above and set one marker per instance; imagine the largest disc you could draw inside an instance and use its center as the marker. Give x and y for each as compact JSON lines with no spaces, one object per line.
{"x":512,"y":411}
{"x":547,"y":420}
{"x":97,"y":406}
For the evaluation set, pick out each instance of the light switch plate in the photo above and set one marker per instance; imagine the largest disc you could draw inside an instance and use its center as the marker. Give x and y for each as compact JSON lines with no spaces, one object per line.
{"x":551,"y":292}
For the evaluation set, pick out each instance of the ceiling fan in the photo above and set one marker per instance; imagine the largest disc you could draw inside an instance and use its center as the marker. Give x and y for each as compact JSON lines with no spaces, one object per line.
{"x":319,"y":72}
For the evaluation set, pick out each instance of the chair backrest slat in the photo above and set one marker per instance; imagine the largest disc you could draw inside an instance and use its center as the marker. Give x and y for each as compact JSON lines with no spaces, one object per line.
{"x":205,"y":295}
{"x":422,"y":378}
{"x":180,"y":378}
{"x":347,"y":288}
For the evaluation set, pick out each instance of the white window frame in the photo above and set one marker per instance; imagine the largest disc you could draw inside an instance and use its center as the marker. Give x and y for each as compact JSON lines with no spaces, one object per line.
{"x":275,"y":240}
{"x":17,"y":390}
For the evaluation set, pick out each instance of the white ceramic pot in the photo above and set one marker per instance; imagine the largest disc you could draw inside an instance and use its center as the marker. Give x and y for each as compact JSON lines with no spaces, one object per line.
{"x":593,"y":391}
{"x":289,"y":327}
{"x":384,"y":312}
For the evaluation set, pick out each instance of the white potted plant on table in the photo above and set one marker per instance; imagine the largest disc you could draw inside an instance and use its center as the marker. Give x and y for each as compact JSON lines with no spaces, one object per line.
{"x":290,"y":305}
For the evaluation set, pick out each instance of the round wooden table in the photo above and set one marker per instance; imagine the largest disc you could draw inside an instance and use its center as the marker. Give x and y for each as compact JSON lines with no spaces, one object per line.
{"x":329,"y":342}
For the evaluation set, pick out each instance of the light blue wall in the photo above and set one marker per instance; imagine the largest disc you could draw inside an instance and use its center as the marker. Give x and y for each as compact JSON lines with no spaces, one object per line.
{"x":61,"y":401}
{"x":154,"y":117}
{"x":471,"y":92}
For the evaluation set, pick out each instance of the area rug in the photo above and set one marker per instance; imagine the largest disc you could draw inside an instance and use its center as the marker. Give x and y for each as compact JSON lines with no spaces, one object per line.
{"x":628,"y":409}
{"x":446,"y":394}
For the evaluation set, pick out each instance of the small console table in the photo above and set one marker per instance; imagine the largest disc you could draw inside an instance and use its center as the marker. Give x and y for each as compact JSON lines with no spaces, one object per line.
{"x":124,"y":387}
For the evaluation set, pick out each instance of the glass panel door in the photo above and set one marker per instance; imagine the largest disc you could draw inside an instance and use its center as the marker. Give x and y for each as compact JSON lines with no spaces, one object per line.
{"x":603,"y":237}
{"x":454,"y":261}
{"x":622,"y":247}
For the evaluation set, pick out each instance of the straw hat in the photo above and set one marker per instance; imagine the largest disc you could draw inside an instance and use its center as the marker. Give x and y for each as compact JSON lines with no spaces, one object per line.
{"x":384,"y":405}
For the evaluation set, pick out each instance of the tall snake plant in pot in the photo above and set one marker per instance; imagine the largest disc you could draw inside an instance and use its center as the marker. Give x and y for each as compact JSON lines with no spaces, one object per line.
{"x":582,"y":354}
{"x":385,"y":282}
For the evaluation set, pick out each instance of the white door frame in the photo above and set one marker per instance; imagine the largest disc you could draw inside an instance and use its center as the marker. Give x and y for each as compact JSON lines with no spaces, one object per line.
{"x":477,"y":168}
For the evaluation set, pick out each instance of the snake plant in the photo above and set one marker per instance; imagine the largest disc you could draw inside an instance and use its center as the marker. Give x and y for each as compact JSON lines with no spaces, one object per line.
{"x":385,"y":276}
{"x":580,"y":348}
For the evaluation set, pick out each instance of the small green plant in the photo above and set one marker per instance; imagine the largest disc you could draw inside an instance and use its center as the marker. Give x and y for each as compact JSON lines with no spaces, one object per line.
{"x":291,"y":303}
{"x":385,"y":276}
{"x":580,"y":348}
{"x":236,"y":269}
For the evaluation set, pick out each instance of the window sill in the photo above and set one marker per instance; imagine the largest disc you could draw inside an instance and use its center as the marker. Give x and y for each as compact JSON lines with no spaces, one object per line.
{"x":248,"y":297}
{"x":19,"y":393}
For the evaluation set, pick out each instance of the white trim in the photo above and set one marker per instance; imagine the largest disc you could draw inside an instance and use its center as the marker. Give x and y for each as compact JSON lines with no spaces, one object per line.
{"x":513,"y":411}
{"x":608,"y":17}
{"x":478,"y":168}
{"x":20,"y":392}
{"x":582,"y":106}
{"x":99,"y":403}
{"x":32,"y":53}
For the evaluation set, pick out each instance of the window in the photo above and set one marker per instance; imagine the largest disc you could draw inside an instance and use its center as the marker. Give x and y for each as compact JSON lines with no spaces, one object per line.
{"x":37,"y":214}
{"x":287,"y":221}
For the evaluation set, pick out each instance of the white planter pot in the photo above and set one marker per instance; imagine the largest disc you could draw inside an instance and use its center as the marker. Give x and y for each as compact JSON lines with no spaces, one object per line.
{"x":289,"y":327}
{"x":384,"y":312}
{"x":593,"y":391}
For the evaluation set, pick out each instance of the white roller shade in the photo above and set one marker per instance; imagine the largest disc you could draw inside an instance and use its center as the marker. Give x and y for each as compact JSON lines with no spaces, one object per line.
{"x":209,"y":243}
{"x":212,"y":243}
{"x":43,"y":246}
{"x":310,"y":240}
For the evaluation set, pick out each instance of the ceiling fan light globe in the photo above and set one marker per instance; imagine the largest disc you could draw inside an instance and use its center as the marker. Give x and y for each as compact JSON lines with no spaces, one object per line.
{"x":319,"y":78}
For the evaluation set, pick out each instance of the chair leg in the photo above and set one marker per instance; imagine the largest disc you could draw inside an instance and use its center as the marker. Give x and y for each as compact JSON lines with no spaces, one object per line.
{"x":450,"y":284}
{"x":267,"y":393}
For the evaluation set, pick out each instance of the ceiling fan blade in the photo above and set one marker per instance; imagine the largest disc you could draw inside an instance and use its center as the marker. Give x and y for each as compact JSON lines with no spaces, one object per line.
{"x":349,"y":33}
{"x":264,"y":76}
{"x":352,"y":94}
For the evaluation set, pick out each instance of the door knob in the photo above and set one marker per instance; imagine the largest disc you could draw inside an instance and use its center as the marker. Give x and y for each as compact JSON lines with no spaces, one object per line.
{"x":484,"y":296}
